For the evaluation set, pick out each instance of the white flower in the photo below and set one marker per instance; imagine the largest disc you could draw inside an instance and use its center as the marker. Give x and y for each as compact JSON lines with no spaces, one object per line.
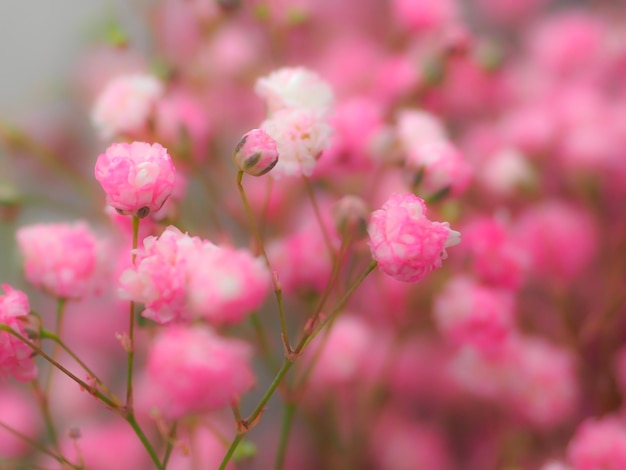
{"x":125,"y":104}
{"x":295,"y":87}
{"x":301,"y":136}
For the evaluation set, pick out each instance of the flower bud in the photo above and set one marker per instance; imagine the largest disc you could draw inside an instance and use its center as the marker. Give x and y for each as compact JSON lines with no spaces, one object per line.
{"x":350,"y":215}
{"x":256,"y":153}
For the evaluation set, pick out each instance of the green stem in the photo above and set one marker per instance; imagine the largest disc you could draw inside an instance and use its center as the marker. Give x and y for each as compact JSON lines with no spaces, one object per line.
{"x":37,"y":445}
{"x":131,"y":327}
{"x":306,"y":339}
{"x":130,"y":418}
{"x":263,"y":343}
{"x":51,"y":336}
{"x":231,"y":451}
{"x":170,"y":444}
{"x":318,"y":215}
{"x":290,"y":410}
{"x":51,"y":360}
{"x":58,"y":325}
{"x":246,"y":424}
{"x":278,"y":293}
{"x":42,"y":399}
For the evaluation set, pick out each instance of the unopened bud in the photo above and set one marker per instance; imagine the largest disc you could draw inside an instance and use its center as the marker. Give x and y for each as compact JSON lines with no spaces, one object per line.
{"x":256,"y":153}
{"x":10,"y":203}
{"x":350,"y":215}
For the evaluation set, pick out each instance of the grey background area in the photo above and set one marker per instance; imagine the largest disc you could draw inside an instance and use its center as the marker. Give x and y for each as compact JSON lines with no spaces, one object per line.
{"x":40,"y":40}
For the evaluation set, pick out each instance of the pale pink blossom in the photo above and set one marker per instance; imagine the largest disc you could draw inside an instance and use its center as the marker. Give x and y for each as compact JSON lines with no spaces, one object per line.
{"x":415,"y":127}
{"x":443,"y":164}
{"x":469,"y":314}
{"x":301,"y":136}
{"x":341,"y":356}
{"x":560,"y":239}
{"x":423,"y":15}
{"x":125,"y":105}
{"x":598,"y":444}
{"x":16,"y":358}
{"x":19,"y":412}
{"x":104,"y":445}
{"x":160,"y":275}
{"x":182,"y":123}
{"x":406,"y":245}
{"x":198,"y":371}
{"x":495,"y":256}
{"x":202,"y":448}
{"x":398,"y":442}
{"x":226,"y":284}
{"x":137,"y":178}
{"x":295,"y":88}
{"x":61,"y":259}
{"x":506,"y":172}
{"x":256,"y":153}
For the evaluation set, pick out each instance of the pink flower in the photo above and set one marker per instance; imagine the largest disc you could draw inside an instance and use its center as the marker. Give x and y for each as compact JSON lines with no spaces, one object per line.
{"x":599,"y":444}
{"x":406,"y":245}
{"x":226,"y":284}
{"x":425,"y":14}
{"x":341,"y":356}
{"x":470,"y":314}
{"x":295,"y":87}
{"x":60,"y":259}
{"x":19,"y":412}
{"x":15,"y":357}
{"x":160,"y":276}
{"x":561,"y":239}
{"x":198,"y":371}
{"x":444,"y":166}
{"x":496,"y":258}
{"x":301,"y":136}
{"x":256,"y":153}
{"x":137,"y":178}
{"x":125,"y":105}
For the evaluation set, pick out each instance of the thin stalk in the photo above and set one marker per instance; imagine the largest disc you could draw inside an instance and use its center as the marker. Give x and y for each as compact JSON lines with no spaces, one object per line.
{"x":278,"y":293}
{"x":42,"y":399}
{"x":55,"y":350}
{"x":170,"y":444}
{"x":263,"y":343}
{"x":37,"y":445}
{"x":246,"y":424}
{"x":51,"y":360}
{"x":51,"y":336}
{"x":289,"y":413}
{"x":318,"y":216}
{"x":131,"y":327}
{"x":130,"y":418}
{"x":306,"y":339}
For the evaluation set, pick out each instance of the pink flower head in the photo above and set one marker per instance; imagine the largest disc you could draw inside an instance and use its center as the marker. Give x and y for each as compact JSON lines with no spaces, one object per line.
{"x":137,"y":178}
{"x":301,"y":136}
{"x":560,"y":239}
{"x":60,"y":259}
{"x":406,"y":245}
{"x":125,"y":105}
{"x":599,"y":444}
{"x":496,"y":258}
{"x":342,"y":355}
{"x":198,"y":371}
{"x":256,"y":153}
{"x":226,"y":284}
{"x":15,"y":357}
{"x":160,"y":277}
{"x":295,"y":87}
{"x":425,"y":14}
{"x":19,"y":412}
{"x":470,"y":314}
{"x":444,"y":166}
